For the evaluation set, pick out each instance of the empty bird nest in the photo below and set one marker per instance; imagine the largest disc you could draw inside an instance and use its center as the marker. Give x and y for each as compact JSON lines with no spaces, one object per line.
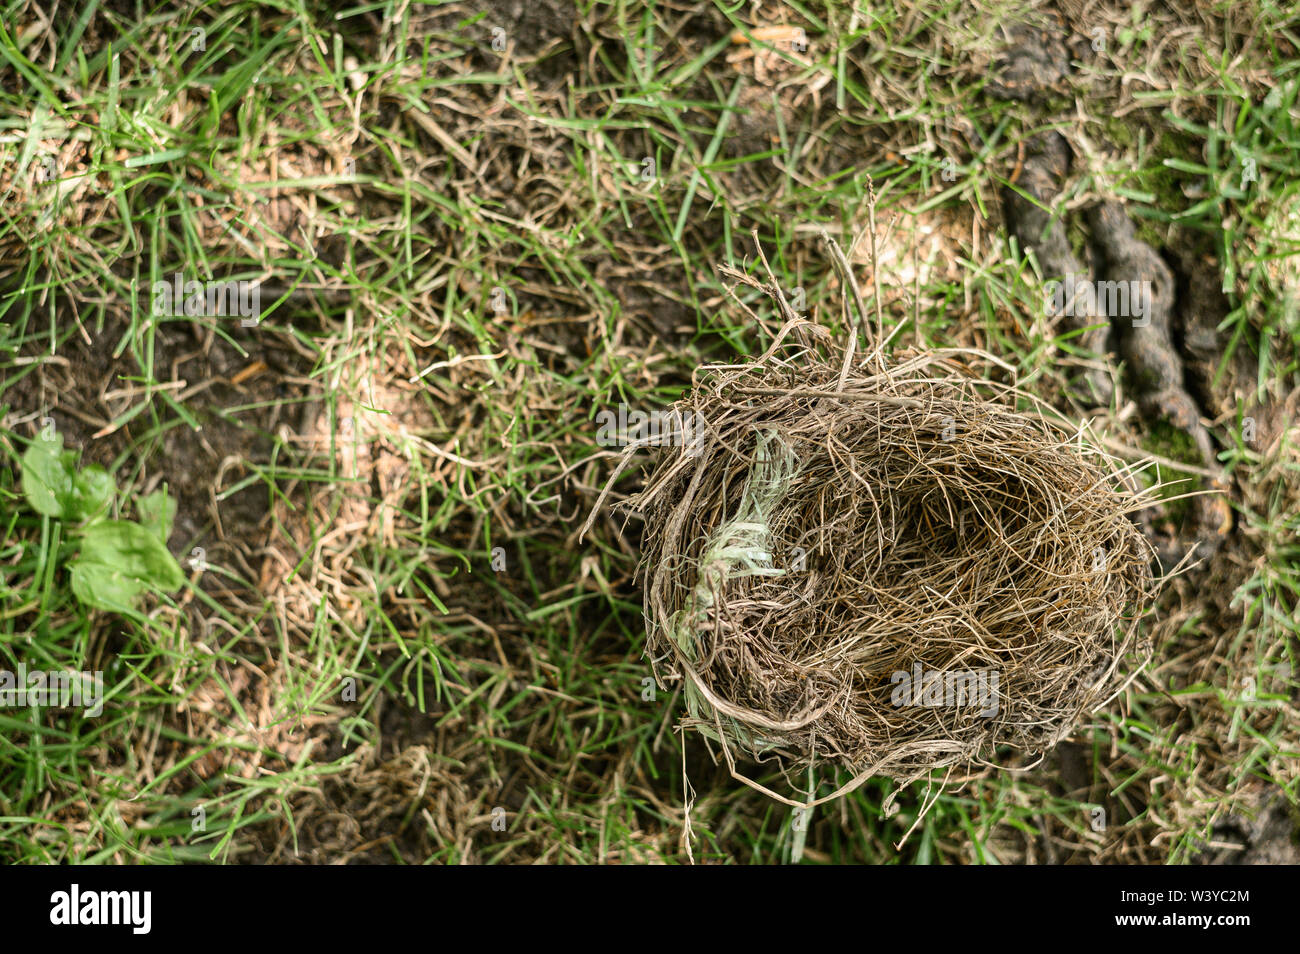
{"x":892,"y":564}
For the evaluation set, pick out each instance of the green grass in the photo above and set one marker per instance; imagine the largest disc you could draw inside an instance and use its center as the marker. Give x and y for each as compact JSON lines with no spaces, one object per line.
{"x":523,"y":689}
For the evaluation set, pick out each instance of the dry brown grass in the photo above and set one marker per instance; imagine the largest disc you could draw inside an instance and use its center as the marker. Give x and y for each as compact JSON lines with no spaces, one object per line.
{"x":821,"y":525}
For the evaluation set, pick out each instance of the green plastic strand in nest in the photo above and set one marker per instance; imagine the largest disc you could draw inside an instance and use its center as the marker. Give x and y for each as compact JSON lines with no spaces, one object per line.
{"x":740,"y":547}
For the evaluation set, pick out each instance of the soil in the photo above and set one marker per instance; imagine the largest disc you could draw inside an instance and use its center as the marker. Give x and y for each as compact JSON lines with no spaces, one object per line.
{"x":1031,"y":218}
{"x":1033,"y":64}
{"x":1268,"y":836}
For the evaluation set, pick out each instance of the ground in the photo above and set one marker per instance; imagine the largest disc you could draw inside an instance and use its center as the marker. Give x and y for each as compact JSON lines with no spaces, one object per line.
{"x":476,"y":225}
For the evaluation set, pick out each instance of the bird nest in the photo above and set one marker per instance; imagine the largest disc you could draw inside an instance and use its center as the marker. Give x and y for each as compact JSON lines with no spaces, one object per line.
{"x":893,"y":565}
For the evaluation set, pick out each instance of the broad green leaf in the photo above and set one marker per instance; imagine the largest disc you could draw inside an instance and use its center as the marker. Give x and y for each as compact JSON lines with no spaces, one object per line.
{"x":118,"y":561}
{"x":157,"y":513}
{"x":92,"y":492}
{"x":48,"y":472}
{"x":104,"y":587}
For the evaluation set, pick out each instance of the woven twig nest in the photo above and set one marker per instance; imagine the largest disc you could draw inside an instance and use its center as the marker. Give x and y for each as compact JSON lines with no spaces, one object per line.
{"x":886,"y":566}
